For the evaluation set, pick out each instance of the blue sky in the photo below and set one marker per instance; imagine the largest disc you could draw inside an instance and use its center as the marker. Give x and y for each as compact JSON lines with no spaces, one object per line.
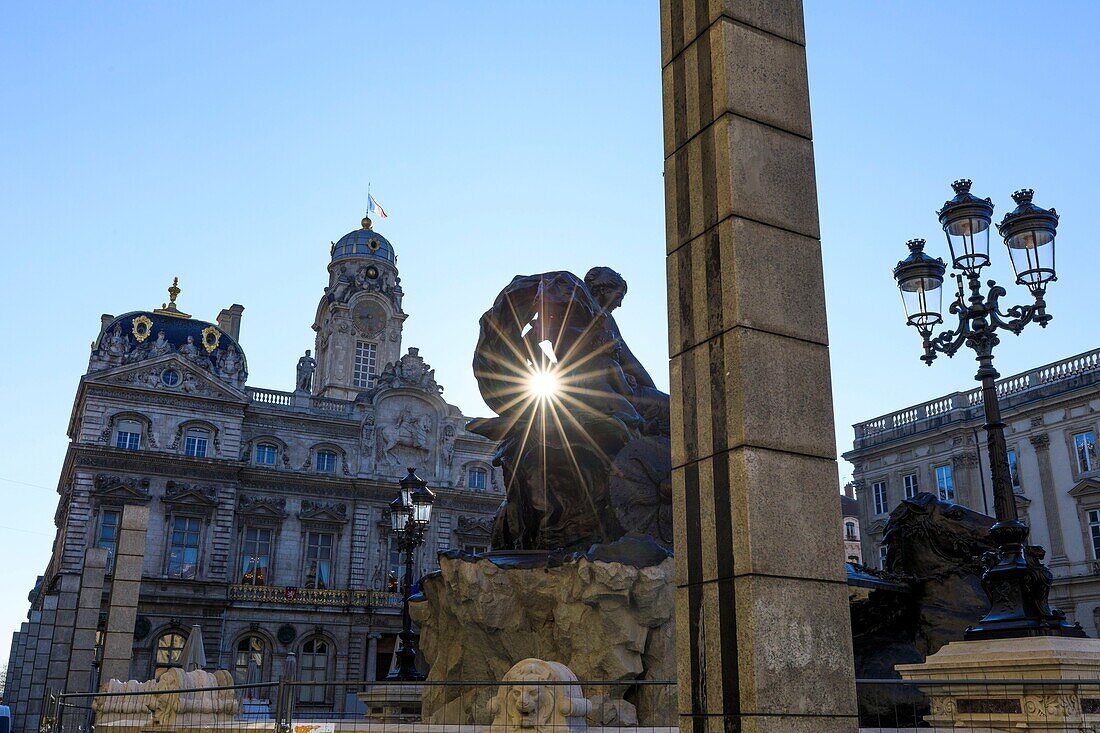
{"x":229,"y":143}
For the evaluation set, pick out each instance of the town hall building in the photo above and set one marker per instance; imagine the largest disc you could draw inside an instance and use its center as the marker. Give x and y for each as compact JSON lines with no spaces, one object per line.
{"x":190,"y":497}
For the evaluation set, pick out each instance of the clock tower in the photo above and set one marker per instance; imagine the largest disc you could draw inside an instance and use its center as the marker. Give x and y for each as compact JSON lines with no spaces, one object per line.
{"x":359,"y":317}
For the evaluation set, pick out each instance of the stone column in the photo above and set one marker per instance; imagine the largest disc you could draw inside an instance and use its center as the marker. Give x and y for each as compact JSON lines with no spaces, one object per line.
{"x":1041,"y":443}
{"x":372,"y":656}
{"x":61,"y":649}
{"x":118,"y":641}
{"x":88,"y":608}
{"x":763,"y":633}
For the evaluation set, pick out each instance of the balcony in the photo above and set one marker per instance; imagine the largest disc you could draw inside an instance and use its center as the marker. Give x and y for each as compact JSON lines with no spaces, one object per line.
{"x":298,"y":401}
{"x":1045,"y":381}
{"x":292,"y":596}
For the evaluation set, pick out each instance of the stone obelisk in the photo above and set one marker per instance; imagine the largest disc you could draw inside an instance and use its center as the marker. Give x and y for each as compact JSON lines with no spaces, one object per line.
{"x":764,"y":639}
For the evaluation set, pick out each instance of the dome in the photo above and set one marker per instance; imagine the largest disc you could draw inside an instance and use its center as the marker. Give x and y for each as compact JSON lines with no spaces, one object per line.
{"x":137,"y":336}
{"x":364,"y":242}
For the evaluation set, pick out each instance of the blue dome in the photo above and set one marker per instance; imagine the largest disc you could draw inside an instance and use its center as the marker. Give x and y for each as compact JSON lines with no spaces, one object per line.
{"x":364,"y":242}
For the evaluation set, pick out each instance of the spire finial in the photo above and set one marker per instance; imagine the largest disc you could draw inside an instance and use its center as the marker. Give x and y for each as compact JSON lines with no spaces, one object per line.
{"x":962,"y":185}
{"x":169,"y":308}
{"x":366,"y":222}
{"x":173,"y":291}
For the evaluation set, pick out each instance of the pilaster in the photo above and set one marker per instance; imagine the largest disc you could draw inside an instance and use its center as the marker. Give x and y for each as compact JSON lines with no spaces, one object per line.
{"x":763,"y":634}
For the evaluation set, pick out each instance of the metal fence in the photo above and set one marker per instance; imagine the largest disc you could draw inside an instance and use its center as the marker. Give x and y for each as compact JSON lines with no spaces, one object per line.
{"x":377,"y":707}
{"x":986,"y":705}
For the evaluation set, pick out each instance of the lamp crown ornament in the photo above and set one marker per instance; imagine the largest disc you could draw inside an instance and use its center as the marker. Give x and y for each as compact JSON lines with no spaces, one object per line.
{"x":915,"y":245}
{"x":1023,"y":196}
{"x":962,"y":185}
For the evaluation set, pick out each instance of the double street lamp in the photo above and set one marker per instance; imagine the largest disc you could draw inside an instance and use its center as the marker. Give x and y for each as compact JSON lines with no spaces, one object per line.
{"x":410,"y":514}
{"x":1014,"y":578}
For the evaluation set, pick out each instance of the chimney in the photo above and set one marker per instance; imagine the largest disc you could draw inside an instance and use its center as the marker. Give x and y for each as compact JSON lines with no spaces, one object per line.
{"x":850,"y":489}
{"x":229,"y":320}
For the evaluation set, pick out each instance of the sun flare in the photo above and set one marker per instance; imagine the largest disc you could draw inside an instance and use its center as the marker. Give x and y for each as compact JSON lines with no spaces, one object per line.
{"x":543,"y":384}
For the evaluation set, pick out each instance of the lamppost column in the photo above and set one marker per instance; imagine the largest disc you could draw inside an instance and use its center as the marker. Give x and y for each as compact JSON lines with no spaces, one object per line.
{"x":1004,"y":500}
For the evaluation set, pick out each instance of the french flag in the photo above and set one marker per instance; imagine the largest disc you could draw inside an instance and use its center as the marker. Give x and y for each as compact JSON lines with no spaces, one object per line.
{"x":373,"y":207}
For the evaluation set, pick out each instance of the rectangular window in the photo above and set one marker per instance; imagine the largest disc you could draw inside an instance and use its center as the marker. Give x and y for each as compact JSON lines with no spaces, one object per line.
{"x":326,"y":461}
{"x":878,"y":494}
{"x":911,"y":484}
{"x":108,"y":534}
{"x":945,"y":484}
{"x":396,"y":573}
{"x":1094,"y":533}
{"x":366,"y":355}
{"x":443,"y":525}
{"x":265,"y":455}
{"x":195,"y":443}
{"x":479,"y":478}
{"x":882,"y":557}
{"x":256,"y":556}
{"x":1084,"y":445}
{"x":128,"y":435}
{"x":183,"y":547}
{"x":319,"y":560}
{"x":1012,"y":471}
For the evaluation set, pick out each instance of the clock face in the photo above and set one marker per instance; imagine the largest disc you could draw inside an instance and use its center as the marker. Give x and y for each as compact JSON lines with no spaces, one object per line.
{"x":369,"y":317}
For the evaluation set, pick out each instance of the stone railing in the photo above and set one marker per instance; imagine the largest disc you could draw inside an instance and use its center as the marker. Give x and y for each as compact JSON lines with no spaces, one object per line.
{"x":270,"y":396}
{"x":290,"y":595}
{"x":1049,"y":379}
{"x":327,"y":404}
{"x":297,"y":400}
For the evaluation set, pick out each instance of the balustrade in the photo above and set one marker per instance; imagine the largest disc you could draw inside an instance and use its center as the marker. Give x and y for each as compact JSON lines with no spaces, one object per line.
{"x":1060,"y":371}
{"x":290,"y":595}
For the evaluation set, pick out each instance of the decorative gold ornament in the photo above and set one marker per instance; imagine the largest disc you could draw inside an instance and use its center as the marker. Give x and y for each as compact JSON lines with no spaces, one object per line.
{"x":210,"y":338}
{"x":142,"y":327}
{"x":169,"y":308}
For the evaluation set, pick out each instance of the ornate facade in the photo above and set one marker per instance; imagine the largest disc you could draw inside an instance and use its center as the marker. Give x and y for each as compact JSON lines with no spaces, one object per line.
{"x":1052,"y":417}
{"x":191,"y":497}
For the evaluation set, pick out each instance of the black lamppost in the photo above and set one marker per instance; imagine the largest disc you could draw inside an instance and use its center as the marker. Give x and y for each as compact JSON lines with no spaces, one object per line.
{"x":409,"y":516}
{"x":1015,"y":579}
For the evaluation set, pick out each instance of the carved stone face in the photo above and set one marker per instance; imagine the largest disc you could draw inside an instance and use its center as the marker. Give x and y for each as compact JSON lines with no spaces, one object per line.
{"x":530,"y":704}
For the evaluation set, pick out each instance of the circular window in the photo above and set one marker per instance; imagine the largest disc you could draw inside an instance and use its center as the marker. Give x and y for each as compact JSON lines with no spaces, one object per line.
{"x":170,"y":377}
{"x":373,"y":244}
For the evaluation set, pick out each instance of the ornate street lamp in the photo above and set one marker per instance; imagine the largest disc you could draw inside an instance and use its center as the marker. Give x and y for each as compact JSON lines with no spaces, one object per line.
{"x":1015,"y":578}
{"x":410,"y":514}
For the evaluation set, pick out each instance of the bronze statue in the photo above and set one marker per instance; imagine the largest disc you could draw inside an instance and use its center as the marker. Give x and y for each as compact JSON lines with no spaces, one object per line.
{"x":589,"y":460}
{"x":934,"y":552}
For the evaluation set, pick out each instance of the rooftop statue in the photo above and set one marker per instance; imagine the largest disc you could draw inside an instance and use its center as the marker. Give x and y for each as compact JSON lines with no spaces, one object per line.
{"x":583,"y":430}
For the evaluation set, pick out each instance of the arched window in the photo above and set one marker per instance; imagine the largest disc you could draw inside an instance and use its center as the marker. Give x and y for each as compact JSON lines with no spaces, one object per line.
{"x":169,"y":652}
{"x":313,"y":667}
{"x":478,"y":478}
{"x":251,"y":649}
{"x":850,"y":531}
{"x":265,"y":454}
{"x":128,"y":435}
{"x":194,"y":444}
{"x":325,"y":461}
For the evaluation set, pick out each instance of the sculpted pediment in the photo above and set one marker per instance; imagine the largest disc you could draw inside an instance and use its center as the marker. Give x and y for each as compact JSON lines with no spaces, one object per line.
{"x":258,"y":506}
{"x":1087,"y":487}
{"x":181,"y":494}
{"x":473,"y":530}
{"x":171,"y":373}
{"x":319,"y":511}
{"x":121,"y":489}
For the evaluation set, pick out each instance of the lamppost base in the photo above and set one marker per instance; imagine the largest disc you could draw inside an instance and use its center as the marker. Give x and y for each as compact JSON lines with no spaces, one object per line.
{"x":1018,"y":586}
